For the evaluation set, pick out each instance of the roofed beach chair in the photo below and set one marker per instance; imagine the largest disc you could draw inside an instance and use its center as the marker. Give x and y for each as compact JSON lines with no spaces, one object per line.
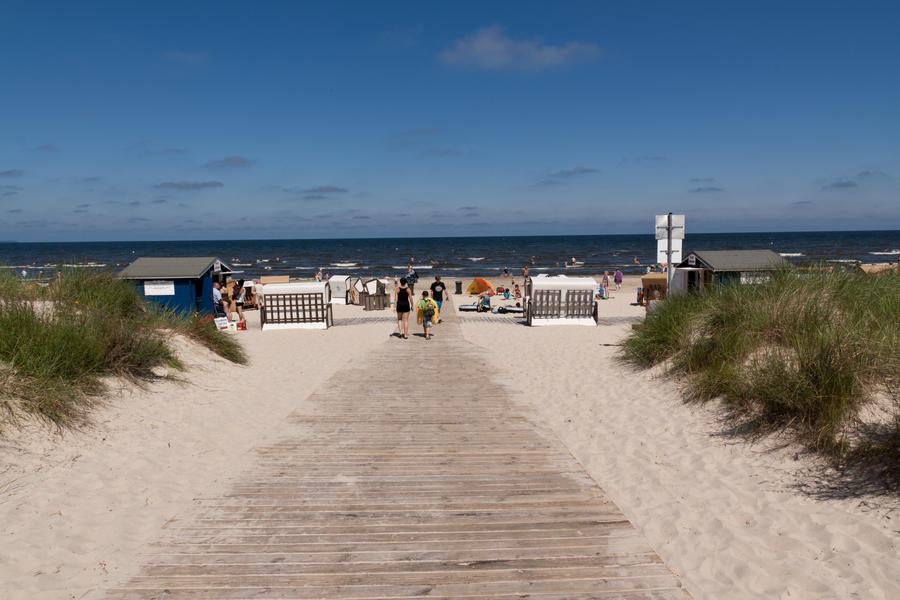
{"x":340,"y":285}
{"x":560,"y":300}
{"x":299,"y":305}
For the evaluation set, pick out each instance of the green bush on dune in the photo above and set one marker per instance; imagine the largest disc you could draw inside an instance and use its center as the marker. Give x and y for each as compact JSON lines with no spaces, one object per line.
{"x":805,"y":350}
{"x":56,"y":342}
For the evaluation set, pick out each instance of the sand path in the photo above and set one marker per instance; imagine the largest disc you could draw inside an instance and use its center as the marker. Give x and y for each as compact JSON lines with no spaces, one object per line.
{"x":435,"y":484}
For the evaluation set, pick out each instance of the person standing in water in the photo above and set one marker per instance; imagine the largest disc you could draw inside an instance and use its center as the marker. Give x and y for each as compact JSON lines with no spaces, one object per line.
{"x":402,"y":306}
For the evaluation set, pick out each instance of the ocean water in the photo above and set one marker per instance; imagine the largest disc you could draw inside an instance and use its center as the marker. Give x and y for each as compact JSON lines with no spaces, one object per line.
{"x":451,"y":256}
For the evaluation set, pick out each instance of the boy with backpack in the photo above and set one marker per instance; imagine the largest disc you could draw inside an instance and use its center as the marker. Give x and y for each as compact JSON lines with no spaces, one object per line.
{"x":427,"y":312}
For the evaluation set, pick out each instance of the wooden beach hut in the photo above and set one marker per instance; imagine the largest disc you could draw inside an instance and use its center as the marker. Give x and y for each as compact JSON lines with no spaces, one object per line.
{"x":709,"y":267}
{"x":181,"y":283}
{"x":298,"y":305}
{"x":560,"y":300}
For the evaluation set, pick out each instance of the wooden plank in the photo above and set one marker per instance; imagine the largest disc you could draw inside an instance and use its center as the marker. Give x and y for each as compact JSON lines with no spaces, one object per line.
{"x":391,"y":494}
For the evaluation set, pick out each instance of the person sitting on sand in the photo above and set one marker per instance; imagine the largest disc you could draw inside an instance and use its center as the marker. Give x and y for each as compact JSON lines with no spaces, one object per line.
{"x":653,"y":302}
{"x":219,"y":303}
{"x":517,"y":293}
{"x":426,"y":313}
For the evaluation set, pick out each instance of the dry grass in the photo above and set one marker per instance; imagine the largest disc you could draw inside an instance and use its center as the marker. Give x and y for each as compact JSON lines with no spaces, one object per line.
{"x":803,"y":352}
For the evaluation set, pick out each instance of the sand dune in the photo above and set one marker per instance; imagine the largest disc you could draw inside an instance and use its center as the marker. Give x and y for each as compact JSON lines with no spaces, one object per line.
{"x":724,"y":514}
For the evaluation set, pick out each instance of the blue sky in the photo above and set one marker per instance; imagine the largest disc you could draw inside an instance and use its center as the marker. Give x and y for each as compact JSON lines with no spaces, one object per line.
{"x":259,"y":120}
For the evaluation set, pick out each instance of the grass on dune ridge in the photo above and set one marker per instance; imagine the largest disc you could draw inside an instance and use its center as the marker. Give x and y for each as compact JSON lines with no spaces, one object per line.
{"x":806,"y":351}
{"x":56,"y":342}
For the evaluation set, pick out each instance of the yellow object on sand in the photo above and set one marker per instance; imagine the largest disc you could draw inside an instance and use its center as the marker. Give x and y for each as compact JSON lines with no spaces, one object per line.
{"x":419,"y":310}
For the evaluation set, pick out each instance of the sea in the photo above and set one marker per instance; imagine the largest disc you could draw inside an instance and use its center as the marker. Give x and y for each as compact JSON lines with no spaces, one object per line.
{"x":450,"y":256}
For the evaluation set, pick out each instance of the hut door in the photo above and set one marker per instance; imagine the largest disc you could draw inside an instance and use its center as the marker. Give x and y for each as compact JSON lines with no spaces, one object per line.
{"x":693,"y":280}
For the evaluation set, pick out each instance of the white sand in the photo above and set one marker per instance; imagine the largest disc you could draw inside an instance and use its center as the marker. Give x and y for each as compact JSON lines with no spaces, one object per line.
{"x":77,"y":512}
{"x":722,"y":513}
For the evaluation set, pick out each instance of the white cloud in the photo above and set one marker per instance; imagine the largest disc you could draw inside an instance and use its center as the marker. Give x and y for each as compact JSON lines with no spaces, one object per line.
{"x":490,"y":48}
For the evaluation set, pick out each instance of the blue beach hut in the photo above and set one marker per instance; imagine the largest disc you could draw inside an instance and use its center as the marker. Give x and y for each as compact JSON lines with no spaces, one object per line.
{"x":182,"y":283}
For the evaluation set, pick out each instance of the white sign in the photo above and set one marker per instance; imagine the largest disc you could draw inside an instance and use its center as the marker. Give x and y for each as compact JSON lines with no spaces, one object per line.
{"x":662,"y":222}
{"x":662,"y":245}
{"x":217,"y":266}
{"x":159,"y":287}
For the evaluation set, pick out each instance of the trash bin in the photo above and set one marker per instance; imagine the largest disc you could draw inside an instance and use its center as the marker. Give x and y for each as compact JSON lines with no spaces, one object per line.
{"x":459,"y":287}
{"x":640,"y":296}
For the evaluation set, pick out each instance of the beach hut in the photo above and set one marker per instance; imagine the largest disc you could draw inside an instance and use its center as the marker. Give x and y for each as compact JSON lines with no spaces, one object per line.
{"x":560,"y":300}
{"x":708,"y":267}
{"x":340,"y":285}
{"x":182,"y":283}
{"x":298,"y":305}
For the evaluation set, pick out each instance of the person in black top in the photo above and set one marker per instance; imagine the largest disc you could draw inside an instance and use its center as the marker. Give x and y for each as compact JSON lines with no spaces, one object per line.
{"x":402,"y":307}
{"x":437,"y":293}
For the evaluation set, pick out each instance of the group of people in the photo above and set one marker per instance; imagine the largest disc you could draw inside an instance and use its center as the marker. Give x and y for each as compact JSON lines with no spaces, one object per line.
{"x":228,"y":303}
{"x":427,"y":309}
{"x":617,"y":279}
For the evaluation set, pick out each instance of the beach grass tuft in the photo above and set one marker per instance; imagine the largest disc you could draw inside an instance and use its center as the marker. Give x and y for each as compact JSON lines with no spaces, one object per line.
{"x":57,"y":342}
{"x":800,"y":351}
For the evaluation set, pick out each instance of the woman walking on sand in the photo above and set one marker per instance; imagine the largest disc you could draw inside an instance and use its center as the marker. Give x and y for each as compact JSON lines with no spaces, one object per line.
{"x":617,"y":278}
{"x":403,"y":306}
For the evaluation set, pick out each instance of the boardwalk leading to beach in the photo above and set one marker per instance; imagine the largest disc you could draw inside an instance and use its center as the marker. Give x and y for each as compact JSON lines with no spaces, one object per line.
{"x":414,"y":476}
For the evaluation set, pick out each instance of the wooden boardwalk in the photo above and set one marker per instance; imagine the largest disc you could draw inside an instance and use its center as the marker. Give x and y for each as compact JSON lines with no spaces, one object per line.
{"x":415,"y":476}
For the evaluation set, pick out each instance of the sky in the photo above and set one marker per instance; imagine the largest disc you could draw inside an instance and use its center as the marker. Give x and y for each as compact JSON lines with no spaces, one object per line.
{"x":238,"y":120}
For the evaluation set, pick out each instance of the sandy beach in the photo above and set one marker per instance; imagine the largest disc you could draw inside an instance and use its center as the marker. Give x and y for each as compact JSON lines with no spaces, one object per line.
{"x":728,"y":517}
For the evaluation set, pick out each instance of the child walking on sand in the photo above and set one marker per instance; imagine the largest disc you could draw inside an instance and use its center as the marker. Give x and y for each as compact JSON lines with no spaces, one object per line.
{"x":427,"y":313}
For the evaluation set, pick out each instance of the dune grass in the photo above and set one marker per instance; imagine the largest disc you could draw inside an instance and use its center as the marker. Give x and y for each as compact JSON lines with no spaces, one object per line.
{"x":803,"y":351}
{"x":57,"y":342}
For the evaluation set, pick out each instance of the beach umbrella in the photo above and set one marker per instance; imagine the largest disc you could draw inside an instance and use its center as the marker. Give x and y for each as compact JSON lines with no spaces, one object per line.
{"x":480,"y":285}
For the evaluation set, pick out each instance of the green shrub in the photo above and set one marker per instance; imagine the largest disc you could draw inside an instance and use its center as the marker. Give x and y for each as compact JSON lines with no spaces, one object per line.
{"x":57,"y":342}
{"x":804,"y":350}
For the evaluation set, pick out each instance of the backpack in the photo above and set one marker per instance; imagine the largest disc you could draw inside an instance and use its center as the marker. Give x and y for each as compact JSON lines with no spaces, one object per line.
{"x":428,"y":311}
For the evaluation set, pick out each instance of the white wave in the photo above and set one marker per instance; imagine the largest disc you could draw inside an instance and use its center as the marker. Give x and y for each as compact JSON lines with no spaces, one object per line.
{"x":475,"y":258}
{"x":894,"y":251}
{"x":791,"y":254}
{"x":841,"y":260}
{"x":345,"y":264}
{"x":77,"y":265}
{"x":423,"y":266}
